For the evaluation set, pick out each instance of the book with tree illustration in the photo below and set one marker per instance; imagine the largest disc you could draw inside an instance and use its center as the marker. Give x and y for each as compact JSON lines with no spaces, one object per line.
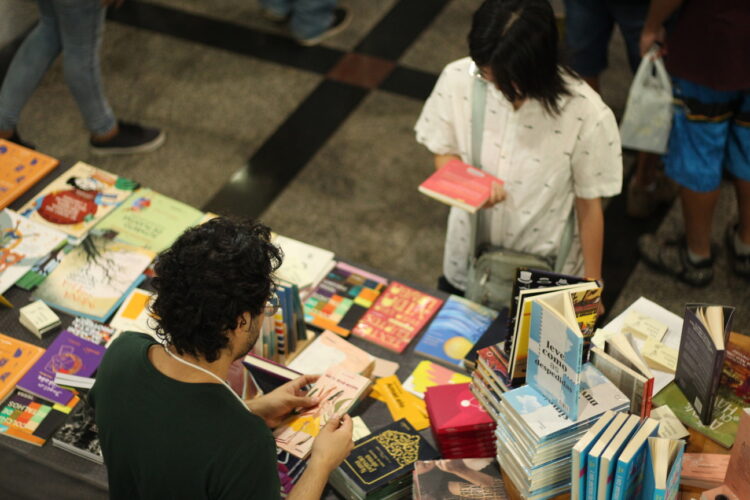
{"x":338,"y":392}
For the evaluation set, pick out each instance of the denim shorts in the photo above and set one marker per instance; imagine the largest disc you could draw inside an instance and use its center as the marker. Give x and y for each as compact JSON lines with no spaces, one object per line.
{"x":710,"y":132}
{"x":588,"y":29}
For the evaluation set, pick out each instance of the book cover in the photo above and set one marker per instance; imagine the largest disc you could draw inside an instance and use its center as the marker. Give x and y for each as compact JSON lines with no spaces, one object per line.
{"x":545,"y":420}
{"x":608,"y":459}
{"x":700,"y":360}
{"x":340,"y":300}
{"x":460,"y":185}
{"x":67,"y":353}
{"x":579,"y":454}
{"x":634,"y":385}
{"x":304,"y":264}
{"x":428,"y":374}
{"x":133,"y":315}
{"x":495,"y":334}
{"x":338,"y":391}
{"x":704,"y":470}
{"x":328,"y":350}
{"x":736,"y":370}
{"x":661,"y":480}
{"x":494,"y":362}
{"x":385,"y":457}
{"x":20,"y":168}
{"x":94,"y":277}
{"x":16,"y":358}
{"x":397,"y":317}
{"x":456,"y":328}
{"x":723,"y":426}
{"x":555,"y":354}
{"x":630,"y":468}
{"x":461,"y":478}
{"x":150,"y":220}
{"x":79,"y":434}
{"x":22,"y":243}
{"x":92,"y":331}
{"x":267,"y":374}
{"x":738,"y":473}
{"x":29,"y":419}
{"x":78,"y":199}
{"x":594,"y":455}
{"x":454,"y":408}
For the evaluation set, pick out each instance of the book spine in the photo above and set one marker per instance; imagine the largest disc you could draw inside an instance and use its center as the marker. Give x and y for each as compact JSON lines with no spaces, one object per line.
{"x":648,"y":393}
{"x":592,"y":471}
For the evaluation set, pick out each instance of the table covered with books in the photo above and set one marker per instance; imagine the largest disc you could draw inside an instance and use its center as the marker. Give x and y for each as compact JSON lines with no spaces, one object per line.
{"x":448,"y":392}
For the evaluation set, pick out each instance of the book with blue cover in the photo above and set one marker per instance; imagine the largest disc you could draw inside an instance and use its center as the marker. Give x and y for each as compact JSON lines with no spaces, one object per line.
{"x":580,"y":453}
{"x":594,"y":455}
{"x":608,"y":459}
{"x":546,"y":421}
{"x":628,"y":482}
{"x":555,"y":358}
{"x":454,"y":331}
{"x":661,"y":479}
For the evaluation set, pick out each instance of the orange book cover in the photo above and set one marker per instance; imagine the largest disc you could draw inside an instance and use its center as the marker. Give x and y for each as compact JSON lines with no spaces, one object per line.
{"x":16,"y":357}
{"x":20,"y":168}
{"x":397,"y":317}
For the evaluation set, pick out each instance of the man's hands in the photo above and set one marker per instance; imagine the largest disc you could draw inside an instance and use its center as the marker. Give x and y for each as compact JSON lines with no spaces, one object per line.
{"x":276,"y":405}
{"x":333,"y":444}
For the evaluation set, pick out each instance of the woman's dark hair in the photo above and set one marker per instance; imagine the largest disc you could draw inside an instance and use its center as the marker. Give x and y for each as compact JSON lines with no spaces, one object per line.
{"x":210,"y":276}
{"x":517,"y":40}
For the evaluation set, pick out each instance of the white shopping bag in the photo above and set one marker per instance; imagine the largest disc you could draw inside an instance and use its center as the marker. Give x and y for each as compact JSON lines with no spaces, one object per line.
{"x":648,"y":113}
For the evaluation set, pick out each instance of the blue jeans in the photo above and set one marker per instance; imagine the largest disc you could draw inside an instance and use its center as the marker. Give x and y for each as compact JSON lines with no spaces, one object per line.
{"x":73,"y":27}
{"x":309,"y":18}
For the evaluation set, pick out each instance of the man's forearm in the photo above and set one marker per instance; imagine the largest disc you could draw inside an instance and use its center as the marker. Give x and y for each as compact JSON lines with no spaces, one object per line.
{"x":311,"y":484}
{"x":659,"y":11}
{"x":591,"y":231}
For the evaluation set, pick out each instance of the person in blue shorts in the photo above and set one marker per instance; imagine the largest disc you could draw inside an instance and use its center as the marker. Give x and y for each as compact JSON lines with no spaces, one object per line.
{"x":706,"y":53}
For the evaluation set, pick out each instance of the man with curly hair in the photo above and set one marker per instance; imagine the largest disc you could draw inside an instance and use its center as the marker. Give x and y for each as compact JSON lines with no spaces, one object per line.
{"x":169,"y":424}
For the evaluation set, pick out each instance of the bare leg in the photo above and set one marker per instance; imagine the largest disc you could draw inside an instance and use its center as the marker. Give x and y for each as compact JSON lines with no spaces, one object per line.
{"x":742,"y":188}
{"x":698,"y":212}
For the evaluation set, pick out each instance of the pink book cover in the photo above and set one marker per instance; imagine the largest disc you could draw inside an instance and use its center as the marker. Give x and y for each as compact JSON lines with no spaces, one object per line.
{"x":454,"y":408}
{"x":397,"y":317}
{"x":459,"y":184}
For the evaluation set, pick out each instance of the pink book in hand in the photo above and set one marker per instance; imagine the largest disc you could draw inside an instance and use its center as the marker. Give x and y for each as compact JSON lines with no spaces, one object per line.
{"x":460,"y":185}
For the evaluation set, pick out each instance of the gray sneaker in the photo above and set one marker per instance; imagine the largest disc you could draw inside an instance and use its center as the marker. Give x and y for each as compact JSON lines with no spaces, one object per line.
{"x":740,"y":262}
{"x":670,"y":257}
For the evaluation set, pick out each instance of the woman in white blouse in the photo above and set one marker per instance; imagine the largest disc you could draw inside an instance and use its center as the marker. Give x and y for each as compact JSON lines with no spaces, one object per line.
{"x":547,"y":135}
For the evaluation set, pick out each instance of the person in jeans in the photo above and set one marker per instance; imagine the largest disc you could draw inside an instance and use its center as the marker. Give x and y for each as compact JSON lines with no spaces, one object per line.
{"x":73,"y":28}
{"x":705,"y":52}
{"x":310,"y":21}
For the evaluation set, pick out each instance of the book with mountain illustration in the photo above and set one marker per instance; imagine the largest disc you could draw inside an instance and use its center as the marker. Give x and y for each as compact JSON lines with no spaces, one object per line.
{"x":338,"y":392}
{"x":78,"y":199}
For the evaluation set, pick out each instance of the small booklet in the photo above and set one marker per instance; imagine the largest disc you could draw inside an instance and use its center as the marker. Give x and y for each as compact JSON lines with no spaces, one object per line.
{"x":460,"y":185}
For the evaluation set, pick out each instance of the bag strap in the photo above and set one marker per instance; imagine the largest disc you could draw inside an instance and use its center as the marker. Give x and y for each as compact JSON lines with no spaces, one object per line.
{"x":478,"y":107}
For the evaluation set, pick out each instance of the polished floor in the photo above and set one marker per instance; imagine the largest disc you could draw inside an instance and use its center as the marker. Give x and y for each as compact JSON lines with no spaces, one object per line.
{"x":317,"y":142}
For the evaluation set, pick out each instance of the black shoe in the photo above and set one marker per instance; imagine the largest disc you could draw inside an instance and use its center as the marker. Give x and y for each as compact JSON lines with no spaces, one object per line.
{"x":341,"y":19}
{"x":15,"y":138}
{"x":740,"y":262}
{"x":671,"y":257}
{"x":131,"y":138}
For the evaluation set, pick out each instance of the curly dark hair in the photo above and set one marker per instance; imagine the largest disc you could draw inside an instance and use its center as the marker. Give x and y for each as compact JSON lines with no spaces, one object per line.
{"x":210,"y":276}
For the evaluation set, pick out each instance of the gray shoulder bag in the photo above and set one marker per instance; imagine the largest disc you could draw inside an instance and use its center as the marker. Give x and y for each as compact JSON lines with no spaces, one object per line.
{"x":492,"y":270}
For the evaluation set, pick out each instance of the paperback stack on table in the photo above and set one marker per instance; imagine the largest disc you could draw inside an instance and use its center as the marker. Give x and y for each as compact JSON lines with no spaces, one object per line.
{"x":461,"y":426}
{"x":534,"y":437}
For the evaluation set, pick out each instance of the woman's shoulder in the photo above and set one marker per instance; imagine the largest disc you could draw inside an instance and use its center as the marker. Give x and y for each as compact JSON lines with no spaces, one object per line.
{"x":584,"y":101}
{"x":458,"y":70}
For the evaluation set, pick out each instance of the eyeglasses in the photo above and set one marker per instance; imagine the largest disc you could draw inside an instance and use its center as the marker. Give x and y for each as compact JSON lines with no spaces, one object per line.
{"x":272,"y":306}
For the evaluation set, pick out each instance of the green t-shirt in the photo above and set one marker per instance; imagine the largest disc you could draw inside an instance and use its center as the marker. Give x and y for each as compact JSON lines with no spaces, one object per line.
{"x":163,"y":439}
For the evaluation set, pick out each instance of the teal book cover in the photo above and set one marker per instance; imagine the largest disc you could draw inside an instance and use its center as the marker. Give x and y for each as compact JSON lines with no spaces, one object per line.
{"x":652,"y":489}
{"x":454,"y":331}
{"x":555,"y":357}
{"x":628,"y":482}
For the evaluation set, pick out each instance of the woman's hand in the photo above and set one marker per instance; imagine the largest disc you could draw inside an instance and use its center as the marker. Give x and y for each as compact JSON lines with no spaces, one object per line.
{"x":496,"y":196}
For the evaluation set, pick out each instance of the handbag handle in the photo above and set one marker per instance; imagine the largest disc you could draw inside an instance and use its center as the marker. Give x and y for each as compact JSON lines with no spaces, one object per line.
{"x":478,"y":107}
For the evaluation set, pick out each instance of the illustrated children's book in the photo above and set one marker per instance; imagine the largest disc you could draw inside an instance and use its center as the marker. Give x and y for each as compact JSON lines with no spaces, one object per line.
{"x":94,"y":277}
{"x":30,"y":419}
{"x":22,"y":244}
{"x":705,"y":334}
{"x":338,"y":391}
{"x":16,"y":358}
{"x":69,"y":354}
{"x":340,"y":300}
{"x":428,"y":374}
{"x":20,"y":168}
{"x":454,"y":331}
{"x":397,"y":317}
{"x":460,"y":185}
{"x":151,"y":220}
{"x":78,"y":199}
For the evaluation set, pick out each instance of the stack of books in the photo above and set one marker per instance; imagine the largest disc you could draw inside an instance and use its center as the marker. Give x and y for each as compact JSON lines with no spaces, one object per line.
{"x":381,"y":465}
{"x":461,"y":426}
{"x":534,"y":437}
